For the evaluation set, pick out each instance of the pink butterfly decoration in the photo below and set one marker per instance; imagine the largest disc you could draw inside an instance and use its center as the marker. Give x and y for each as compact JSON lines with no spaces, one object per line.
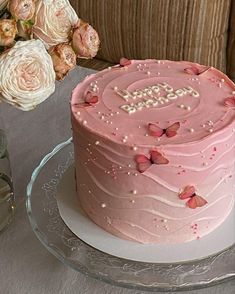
{"x":124,"y":61}
{"x":194,"y":199}
{"x":230,"y":101}
{"x":156,"y":131}
{"x":196,"y":70}
{"x":90,"y":100}
{"x":143,"y":162}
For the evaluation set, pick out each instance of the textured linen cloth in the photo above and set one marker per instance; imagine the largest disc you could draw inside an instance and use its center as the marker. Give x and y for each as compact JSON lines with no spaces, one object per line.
{"x":26,"y":267}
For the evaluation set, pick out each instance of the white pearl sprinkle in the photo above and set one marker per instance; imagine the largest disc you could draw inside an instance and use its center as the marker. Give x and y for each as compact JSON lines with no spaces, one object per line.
{"x":120,"y":167}
{"x":188,"y":108}
{"x":132,"y":201}
{"x":125,"y":137}
{"x":233,"y":92}
{"x":181,"y":106}
{"x":124,"y":140}
{"x":129,"y":165}
{"x":191,"y":130}
{"x":115,"y":88}
{"x":222,"y":80}
{"x":78,"y":113}
{"x":103,"y":205}
{"x":117,"y":112}
{"x":203,"y":125}
{"x":164,"y":220}
{"x":134,"y":192}
{"x":128,"y":173}
{"x":134,"y":148}
{"x":89,"y":191}
{"x":211,"y":130}
{"x":84,"y":122}
{"x":109,"y":68}
{"x":97,"y":143}
{"x":135,"y":174}
{"x":205,"y":163}
{"x":116,"y":129}
{"x":146,"y":135}
{"x":158,"y":73}
{"x":148,"y":73}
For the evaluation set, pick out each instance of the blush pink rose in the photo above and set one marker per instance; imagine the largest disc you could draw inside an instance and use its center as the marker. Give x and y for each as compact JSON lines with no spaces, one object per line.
{"x":22,"y":9}
{"x":64,"y":59}
{"x":85,"y":40}
{"x":27,"y":76}
{"x":54,"y":21}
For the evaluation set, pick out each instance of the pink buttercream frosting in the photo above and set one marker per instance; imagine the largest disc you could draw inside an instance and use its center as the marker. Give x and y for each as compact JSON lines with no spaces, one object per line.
{"x":110,"y":133}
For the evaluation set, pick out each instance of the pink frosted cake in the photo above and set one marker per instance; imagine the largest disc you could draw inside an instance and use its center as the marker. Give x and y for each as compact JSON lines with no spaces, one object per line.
{"x":154,"y":149}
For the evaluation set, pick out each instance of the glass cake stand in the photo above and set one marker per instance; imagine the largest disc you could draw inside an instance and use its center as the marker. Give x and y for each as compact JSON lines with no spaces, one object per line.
{"x":61,"y":242}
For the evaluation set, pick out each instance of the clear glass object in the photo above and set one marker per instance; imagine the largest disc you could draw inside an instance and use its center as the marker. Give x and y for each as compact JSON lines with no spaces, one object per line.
{"x":67,"y":247}
{"x":7,"y":203}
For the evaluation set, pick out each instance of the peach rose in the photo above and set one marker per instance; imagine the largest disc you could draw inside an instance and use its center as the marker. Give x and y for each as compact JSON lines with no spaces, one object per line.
{"x":64,"y":59}
{"x":8,"y":30}
{"x":27,"y":76}
{"x":85,"y":40}
{"x":54,"y":21}
{"x":22,"y":9}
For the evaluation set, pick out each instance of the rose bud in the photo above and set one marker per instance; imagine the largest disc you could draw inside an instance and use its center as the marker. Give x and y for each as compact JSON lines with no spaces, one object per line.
{"x":8,"y":30}
{"x":22,"y":9}
{"x":27,"y":77}
{"x":85,"y":40}
{"x":54,"y":21}
{"x":64,"y":59}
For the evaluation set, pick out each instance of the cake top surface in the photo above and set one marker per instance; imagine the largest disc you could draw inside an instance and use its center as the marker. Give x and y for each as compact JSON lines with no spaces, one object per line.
{"x":155,"y":102}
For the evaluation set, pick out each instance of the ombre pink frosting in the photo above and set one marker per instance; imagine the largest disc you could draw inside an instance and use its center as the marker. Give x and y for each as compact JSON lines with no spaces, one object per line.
{"x":145,"y":207}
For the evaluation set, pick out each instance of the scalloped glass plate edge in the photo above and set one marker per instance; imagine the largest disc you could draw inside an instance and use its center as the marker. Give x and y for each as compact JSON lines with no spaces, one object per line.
{"x":180,"y":285}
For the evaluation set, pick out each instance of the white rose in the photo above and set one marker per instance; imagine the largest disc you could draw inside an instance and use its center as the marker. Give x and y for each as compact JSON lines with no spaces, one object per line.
{"x":54,"y":21}
{"x":27,"y":76}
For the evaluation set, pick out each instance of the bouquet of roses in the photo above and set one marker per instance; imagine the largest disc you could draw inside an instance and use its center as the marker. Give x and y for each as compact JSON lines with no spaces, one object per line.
{"x":40,"y":41}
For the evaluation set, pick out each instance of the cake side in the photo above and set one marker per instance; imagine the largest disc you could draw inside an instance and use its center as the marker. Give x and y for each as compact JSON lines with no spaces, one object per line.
{"x":145,"y":205}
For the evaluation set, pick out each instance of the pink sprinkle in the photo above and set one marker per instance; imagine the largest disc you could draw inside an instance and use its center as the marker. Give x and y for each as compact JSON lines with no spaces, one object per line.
{"x":184,"y":171}
{"x":178,"y":173}
{"x":114,"y":134}
{"x":215,"y":149}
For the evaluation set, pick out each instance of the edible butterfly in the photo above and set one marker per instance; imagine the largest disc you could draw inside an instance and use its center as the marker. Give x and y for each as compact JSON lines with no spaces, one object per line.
{"x":89,"y":100}
{"x":194,"y":199}
{"x":124,"y":61}
{"x":196,"y":70}
{"x":156,"y":131}
{"x":230,"y":101}
{"x":143,"y":162}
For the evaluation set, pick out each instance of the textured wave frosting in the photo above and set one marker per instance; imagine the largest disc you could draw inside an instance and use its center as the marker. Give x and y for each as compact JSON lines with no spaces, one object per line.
{"x":109,"y":134}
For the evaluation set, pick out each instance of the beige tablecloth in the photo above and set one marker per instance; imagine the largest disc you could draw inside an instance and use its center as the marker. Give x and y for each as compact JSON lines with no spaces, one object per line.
{"x":26,"y":267}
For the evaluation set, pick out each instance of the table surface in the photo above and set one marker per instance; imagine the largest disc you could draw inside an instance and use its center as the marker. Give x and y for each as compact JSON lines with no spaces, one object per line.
{"x":26,"y":266}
